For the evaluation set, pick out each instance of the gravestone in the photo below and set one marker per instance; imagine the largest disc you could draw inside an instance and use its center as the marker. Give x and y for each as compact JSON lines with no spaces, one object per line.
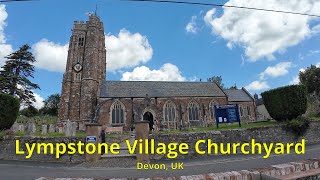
{"x":74,"y":129}
{"x":31,"y":128}
{"x":15,"y":127}
{"x":82,"y":127}
{"x":70,"y":129}
{"x":51,"y":128}
{"x":21,"y":128}
{"x":44,"y":129}
{"x":60,"y":129}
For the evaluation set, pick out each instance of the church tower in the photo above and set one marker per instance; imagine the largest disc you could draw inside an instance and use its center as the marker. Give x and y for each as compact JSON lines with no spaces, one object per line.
{"x":85,"y":70}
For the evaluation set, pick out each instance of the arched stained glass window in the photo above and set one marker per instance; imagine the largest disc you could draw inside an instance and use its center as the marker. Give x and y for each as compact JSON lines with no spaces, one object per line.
{"x":169,"y":110}
{"x":193,"y":111}
{"x":212,"y":110}
{"x":117,"y":110}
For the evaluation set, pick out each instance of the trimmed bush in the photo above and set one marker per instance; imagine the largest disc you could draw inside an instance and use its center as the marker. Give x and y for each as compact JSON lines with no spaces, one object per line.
{"x":286,"y":103}
{"x":298,"y":126}
{"x":9,"y":109}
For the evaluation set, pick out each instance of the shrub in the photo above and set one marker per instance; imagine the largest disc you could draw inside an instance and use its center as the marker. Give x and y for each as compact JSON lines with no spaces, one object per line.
{"x":1,"y":135}
{"x":9,"y":108}
{"x":298,"y":126}
{"x":286,"y":103}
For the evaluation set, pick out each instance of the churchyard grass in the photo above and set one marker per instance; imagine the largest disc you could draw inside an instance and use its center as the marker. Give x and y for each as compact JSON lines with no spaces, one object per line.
{"x":20,"y":134}
{"x":225,"y":127}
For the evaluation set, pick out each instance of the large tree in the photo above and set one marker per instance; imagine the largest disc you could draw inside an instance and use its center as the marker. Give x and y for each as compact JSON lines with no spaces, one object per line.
{"x":51,"y":105}
{"x":311,"y":79}
{"x":15,"y":74}
{"x":217,"y":80}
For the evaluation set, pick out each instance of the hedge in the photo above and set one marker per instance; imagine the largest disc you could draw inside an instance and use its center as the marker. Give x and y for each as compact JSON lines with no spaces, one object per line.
{"x":9,"y":109}
{"x":286,"y":103}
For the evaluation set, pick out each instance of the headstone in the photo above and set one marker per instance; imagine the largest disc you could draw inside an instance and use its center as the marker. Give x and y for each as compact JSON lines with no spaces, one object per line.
{"x":60,"y":129}
{"x":31,"y":128}
{"x":44,"y":129}
{"x":21,"y":128}
{"x":74,"y":129}
{"x":15,"y":127}
{"x":51,"y":128}
{"x":71,"y":128}
{"x":82,"y":127}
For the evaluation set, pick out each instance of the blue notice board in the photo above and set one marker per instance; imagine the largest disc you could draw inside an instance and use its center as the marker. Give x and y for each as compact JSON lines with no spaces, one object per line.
{"x":227,"y":114}
{"x":91,"y":139}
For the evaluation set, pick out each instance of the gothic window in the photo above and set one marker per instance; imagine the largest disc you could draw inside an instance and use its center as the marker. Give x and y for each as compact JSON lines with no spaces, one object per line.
{"x":169,"y":112}
{"x":193,"y":111}
{"x":248,"y":109}
{"x":81,"y":41}
{"x":78,"y":76}
{"x":117,"y":110}
{"x":212,"y":110}
{"x":241,"y":110}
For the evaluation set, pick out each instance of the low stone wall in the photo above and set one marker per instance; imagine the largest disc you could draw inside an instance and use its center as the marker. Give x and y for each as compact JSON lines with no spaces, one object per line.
{"x":261,"y":134}
{"x":271,"y":134}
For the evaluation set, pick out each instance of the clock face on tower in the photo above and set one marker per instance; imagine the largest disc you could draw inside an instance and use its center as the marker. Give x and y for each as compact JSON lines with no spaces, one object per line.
{"x":77,"y":67}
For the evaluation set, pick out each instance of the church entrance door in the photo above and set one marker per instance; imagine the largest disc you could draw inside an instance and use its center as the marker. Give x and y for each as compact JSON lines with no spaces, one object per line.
{"x":149,"y":117}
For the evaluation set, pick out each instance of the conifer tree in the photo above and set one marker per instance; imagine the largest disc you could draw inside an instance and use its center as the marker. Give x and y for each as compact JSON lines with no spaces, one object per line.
{"x":15,"y":74}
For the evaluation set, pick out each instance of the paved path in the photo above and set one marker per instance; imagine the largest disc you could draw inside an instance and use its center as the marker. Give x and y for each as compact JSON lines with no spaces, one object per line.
{"x":32,"y":170}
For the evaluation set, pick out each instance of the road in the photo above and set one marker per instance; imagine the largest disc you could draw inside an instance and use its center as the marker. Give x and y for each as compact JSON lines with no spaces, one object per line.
{"x":32,"y":170}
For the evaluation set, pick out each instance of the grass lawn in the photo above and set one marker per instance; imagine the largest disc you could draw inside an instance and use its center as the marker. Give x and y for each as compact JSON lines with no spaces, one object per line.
{"x":224,"y":127}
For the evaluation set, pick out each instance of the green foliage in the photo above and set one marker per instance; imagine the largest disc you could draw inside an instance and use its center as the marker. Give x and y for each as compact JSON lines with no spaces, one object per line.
{"x":9,"y":108}
{"x":38,"y":119}
{"x":29,"y":111}
{"x":286,"y":103}
{"x":311,"y":79}
{"x":298,"y":126}
{"x":20,"y":134}
{"x":51,"y":105}
{"x":217,"y":80}
{"x":1,"y":135}
{"x":234,"y":87}
{"x":15,"y":73}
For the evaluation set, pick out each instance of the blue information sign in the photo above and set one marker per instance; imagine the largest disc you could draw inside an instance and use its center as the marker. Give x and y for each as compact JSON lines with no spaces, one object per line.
{"x":91,"y":139}
{"x":227,"y":114}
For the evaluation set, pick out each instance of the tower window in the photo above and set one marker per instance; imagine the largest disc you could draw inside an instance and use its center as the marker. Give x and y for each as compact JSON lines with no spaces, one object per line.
{"x":78,"y":77}
{"x":79,"y":58}
{"x":81,"y":41}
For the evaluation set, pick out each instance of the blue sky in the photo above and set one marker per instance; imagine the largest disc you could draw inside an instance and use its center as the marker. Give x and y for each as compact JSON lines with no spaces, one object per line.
{"x":145,"y":41}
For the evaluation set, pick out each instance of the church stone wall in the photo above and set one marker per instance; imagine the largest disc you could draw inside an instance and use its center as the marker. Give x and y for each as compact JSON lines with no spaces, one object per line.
{"x":245,"y":117}
{"x":136,"y":107}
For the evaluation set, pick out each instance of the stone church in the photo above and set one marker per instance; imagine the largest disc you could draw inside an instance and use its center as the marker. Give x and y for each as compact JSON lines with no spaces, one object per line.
{"x":88,"y":97}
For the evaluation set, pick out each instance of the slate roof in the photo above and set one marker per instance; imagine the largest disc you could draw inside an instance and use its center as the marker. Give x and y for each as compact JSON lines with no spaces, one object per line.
{"x":139,"y":89}
{"x":259,"y":102}
{"x":238,"y":95}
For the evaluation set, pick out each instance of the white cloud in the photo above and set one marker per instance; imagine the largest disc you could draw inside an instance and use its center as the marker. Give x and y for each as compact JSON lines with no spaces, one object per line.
{"x":5,"y":49}
{"x":168,"y":72}
{"x":127,"y":50}
{"x":264,"y":33}
{"x":278,"y":70}
{"x":192,"y":25}
{"x":39,"y":101}
{"x":257,"y":86}
{"x":50,"y":56}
